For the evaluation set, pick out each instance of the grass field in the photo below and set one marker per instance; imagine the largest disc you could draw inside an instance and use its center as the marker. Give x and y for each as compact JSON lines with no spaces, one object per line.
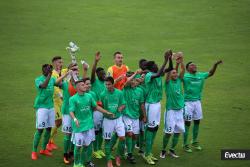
{"x":32,"y":31}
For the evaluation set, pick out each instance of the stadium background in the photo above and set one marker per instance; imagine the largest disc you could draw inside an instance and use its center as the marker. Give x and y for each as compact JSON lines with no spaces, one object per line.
{"x":31,"y":32}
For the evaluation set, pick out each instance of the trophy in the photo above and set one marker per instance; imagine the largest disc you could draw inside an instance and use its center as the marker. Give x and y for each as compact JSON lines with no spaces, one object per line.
{"x":177,"y":55}
{"x":72,"y":49}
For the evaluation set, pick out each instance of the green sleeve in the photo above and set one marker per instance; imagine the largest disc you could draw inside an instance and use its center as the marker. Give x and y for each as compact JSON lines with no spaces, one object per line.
{"x":205,"y":75}
{"x":71,"y":105}
{"x":38,"y":82}
{"x":53,"y":80}
{"x":64,"y":86}
{"x":101,"y":97}
{"x":93,"y":102}
{"x":148,"y":77}
{"x":141,"y":97}
{"x":121,"y":100}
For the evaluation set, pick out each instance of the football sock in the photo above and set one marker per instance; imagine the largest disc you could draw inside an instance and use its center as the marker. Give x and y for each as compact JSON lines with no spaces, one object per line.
{"x":166,"y":138}
{"x":77,"y":158}
{"x":175,"y":140}
{"x":107,"y":146}
{"x":129,"y":144}
{"x":46,"y":139}
{"x":121,"y":147}
{"x":149,"y":142}
{"x":66,"y":143}
{"x":185,"y":136}
{"x":195,"y":132}
{"x":36,"y":140}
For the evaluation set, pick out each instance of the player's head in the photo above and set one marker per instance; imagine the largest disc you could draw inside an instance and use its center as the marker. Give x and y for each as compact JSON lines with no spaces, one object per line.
{"x":191,"y":67}
{"x":173,"y":74}
{"x":134,"y":83}
{"x":109,"y":82}
{"x":131,"y":82}
{"x":118,"y":57}
{"x":80,"y":86}
{"x":101,"y":74}
{"x":87,"y":84}
{"x":46,"y":69}
{"x":152,"y":66}
{"x":57,"y":63}
{"x":142,"y":64}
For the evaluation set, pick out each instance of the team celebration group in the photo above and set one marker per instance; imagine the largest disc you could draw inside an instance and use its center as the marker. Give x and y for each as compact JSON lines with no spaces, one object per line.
{"x":109,"y":114}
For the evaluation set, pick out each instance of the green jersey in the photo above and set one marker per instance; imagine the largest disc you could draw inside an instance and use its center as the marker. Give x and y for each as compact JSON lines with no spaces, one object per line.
{"x":98,"y":87}
{"x":66,"y":96}
{"x":174,"y":93}
{"x":44,"y":98}
{"x":111,"y":101}
{"x":93,"y":94}
{"x":82,"y":107}
{"x":193,"y":85}
{"x":134,"y":98}
{"x":141,"y":85}
{"x":153,"y":88}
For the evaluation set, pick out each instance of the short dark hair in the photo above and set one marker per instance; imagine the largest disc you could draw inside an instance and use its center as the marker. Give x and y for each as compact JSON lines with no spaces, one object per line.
{"x":187,"y":65}
{"x":86,"y":79}
{"x":142,"y":60}
{"x":149,"y":65}
{"x":45,"y":66}
{"x":117,"y":53}
{"x":110,"y":79}
{"x":99,"y":69}
{"x":56,"y":58}
{"x":79,"y":81}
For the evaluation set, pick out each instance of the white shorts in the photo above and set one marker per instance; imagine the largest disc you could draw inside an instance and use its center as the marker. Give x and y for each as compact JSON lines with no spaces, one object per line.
{"x":113,"y":125}
{"x":193,"y":110}
{"x":45,"y":118}
{"x":98,"y":119}
{"x":83,"y":138}
{"x":142,"y":126}
{"x":153,"y":112}
{"x":66,"y":124}
{"x":131,"y":125}
{"x":173,"y":121}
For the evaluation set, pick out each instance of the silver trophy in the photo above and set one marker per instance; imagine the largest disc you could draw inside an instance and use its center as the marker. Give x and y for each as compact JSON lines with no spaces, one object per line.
{"x":72,"y":49}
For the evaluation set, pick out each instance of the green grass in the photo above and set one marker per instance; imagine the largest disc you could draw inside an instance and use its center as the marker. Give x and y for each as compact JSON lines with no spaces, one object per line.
{"x":31,"y":32}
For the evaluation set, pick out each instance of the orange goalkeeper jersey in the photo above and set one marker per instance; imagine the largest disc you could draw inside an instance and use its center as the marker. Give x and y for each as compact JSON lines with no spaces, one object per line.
{"x":115,"y":72}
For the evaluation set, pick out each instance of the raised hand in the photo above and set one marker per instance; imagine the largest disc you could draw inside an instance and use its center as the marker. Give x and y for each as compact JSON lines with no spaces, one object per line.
{"x":168,"y":54}
{"x":179,"y":60}
{"x":219,"y":62}
{"x":97,"y":56}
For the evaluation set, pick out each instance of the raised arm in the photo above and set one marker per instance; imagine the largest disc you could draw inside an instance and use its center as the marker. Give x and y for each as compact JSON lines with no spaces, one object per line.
{"x":130,"y":78}
{"x":46,"y":82}
{"x":212,"y":71}
{"x":181,"y":75}
{"x":167,"y":77}
{"x":166,"y":57}
{"x":59,"y":80}
{"x":170,"y":66}
{"x":97,"y":58}
{"x":85,"y":70}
